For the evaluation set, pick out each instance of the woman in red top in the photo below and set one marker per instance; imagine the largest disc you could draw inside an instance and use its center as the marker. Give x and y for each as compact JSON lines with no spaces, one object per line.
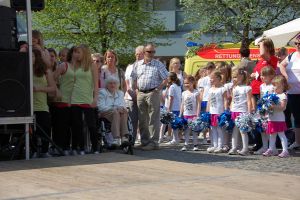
{"x":268,"y":58}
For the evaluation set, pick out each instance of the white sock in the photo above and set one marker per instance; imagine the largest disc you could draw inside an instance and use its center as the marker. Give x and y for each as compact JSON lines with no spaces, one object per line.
{"x":284,"y":142}
{"x":214,"y":136}
{"x":187,"y":136}
{"x":234,"y":139}
{"x":162,"y":130}
{"x":220,"y":137}
{"x":272,"y":141}
{"x":175,"y":135}
{"x":195,"y":138}
{"x":245,"y":141}
{"x":265,"y":139}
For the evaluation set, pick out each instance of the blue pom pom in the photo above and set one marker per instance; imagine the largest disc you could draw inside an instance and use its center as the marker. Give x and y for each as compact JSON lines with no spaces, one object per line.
{"x":225,"y":121}
{"x":264,"y":104}
{"x":179,"y":123}
{"x":244,"y":122}
{"x":166,"y":117}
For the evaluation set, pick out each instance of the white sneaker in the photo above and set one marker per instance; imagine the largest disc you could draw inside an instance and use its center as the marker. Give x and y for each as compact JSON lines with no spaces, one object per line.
{"x":183,"y":148}
{"x":96,"y":152}
{"x":161,"y":140}
{"x":210,"y":149}
{"x":218,"y":150}
{"x":82,"y":153}
{"x":294,"y":145}
{"x":195,"y":148}
{"x":260,"y":151}
{"x":173,"y":142}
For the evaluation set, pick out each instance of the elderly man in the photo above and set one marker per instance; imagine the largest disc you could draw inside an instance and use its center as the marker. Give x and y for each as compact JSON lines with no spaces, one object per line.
{"x":130,"y":95}
{"x":150,"y":76}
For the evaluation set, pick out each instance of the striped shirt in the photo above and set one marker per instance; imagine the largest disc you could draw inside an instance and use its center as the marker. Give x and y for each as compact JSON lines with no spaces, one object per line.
{"x":149,"y":75}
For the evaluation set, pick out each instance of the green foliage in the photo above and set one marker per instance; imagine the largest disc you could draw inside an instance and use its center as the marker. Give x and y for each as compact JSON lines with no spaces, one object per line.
{"x":101,"y":24}
{"x":244,"y":19}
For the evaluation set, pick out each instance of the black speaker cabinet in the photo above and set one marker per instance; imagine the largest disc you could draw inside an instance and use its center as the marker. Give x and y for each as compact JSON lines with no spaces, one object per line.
{"x":8,"y":29}
{"x":36,"y":5}
{"x":14,"y":84}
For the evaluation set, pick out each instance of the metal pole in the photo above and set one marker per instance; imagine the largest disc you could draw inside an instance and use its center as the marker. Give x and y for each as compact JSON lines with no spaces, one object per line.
{"x":27,"y":141}
{"x":29,"y":36}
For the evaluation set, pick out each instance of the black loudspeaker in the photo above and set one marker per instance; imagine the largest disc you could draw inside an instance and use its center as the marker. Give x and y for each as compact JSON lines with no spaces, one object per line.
{"x":36,"y":5}
{"x":8,"y":29}
{"x":14,"y":84}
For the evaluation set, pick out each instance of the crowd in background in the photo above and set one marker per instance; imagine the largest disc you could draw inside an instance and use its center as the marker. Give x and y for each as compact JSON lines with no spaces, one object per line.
{"x":74,"y":88}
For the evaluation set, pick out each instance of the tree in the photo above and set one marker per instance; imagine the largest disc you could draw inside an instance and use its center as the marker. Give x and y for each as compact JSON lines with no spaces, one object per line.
{"x":101,"y":24}
{"x":244,"y":19}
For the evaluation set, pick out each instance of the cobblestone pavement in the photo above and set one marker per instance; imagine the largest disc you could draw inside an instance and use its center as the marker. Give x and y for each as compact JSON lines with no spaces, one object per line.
{"x":289,"y":165}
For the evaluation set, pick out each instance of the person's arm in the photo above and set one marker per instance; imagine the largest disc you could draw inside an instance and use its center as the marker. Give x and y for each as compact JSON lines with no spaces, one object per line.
{"x":249,"y":101}
{"x":282,"y":67}
{"x":208,"y":105}
{"x":171,"y":101}
{"x":181,"y":106}
{"x":96,"y":88}
{"x":101,"y":103}
{"x":162,"y":85}
{"x":199,"y":100}
{"x":225,"y":99}
{"x":163,"y":75}
{"x":51,"y":87}
{"x":281,"y":106}
{"x":61,"y":68}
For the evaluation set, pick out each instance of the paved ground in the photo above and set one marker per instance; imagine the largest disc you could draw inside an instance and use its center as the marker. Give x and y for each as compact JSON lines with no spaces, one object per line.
{"x":289,"y":165}
{"x":163,"y":174}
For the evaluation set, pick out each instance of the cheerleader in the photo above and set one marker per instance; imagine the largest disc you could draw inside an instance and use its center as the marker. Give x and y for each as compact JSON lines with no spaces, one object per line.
{"x":172,"y":102}
{"x":276,"y":120}
{"x":241,"y":103}
{"x":217,"y":103}
{"x":267,"y":74}
{"x":190,"y":109}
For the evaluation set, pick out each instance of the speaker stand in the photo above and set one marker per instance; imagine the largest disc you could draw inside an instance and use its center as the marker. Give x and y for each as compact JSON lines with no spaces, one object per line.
{"x":20,"y":120}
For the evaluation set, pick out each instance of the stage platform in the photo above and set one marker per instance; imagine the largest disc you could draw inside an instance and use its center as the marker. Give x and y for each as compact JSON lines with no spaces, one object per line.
{"x":119,"y":176}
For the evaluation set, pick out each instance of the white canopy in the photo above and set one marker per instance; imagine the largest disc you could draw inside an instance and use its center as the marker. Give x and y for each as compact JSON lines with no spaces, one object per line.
{"x":283,"y":34}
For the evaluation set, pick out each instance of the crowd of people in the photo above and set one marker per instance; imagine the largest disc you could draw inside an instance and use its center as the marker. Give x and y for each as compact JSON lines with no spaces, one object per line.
{"x":74,"y":88}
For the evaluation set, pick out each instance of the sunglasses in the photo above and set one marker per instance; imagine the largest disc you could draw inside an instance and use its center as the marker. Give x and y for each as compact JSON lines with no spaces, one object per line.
{"x":97,"y":61}
{"x":297,"y":43}
{"x":150,"y":51}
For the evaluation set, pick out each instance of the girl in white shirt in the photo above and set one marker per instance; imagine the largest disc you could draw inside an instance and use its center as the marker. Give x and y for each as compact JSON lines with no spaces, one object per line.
{"x":276,"y":120}
{"x":173,"y":99}
{"x":217,"y":103}
{"x":241,"y":103}
{"x":267,"y":74}
{"x":190,"y":109}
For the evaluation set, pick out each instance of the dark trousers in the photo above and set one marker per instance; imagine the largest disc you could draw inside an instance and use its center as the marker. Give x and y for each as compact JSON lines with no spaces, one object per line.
{"x":77,"y":114}
{"x":256,"y":136}
{"x":43,"y":128}
{"x":61,"y":131}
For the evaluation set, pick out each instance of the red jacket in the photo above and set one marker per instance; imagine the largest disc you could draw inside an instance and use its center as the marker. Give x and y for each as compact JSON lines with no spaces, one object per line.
{"x":255,"y":84}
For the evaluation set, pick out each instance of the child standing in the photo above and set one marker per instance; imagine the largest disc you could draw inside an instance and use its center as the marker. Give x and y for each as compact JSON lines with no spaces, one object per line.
{"x":217,"y":103}
{"x":164,"y":102}
{"x":276,"y":120}
{"x":190,"y":109}
{"x":241,"y":103}
{"x":174,"y":100}
{"x":267,"y":74}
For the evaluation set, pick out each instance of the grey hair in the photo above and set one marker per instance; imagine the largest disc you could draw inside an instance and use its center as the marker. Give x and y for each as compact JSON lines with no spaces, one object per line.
{"x":112,"y":79}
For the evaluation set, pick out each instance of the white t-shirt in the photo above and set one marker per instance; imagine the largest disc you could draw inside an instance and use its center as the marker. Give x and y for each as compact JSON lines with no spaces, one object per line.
{"x":189,"y":100}
{"x":293,"y":72}
{"x":127,"y":77}
{"x":266,"y":88}
{"x":228,"y":87}
{"x":216,"y":100}
{"x":205,"y":84}
{"x":105,"y":73}
{"x":278,"y":116}
{"x":175,"y":91}
{"x":239,"y":98}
